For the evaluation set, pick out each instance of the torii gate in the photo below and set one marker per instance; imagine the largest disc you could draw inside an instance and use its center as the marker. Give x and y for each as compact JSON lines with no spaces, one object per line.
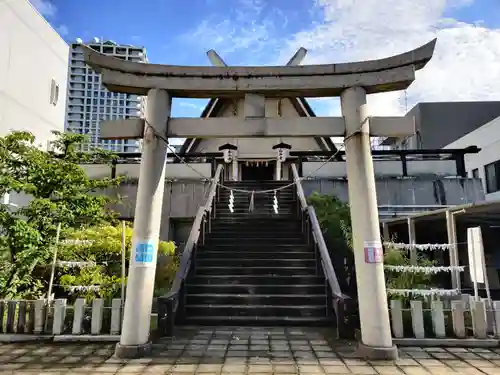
{"x":351,"y":81}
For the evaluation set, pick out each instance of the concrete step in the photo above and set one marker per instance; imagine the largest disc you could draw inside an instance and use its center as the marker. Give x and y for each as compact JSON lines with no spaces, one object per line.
{"x":249,"y":254}
{"x":256,"y":280}
{"x":218,"y":299}
{"x":260,"y":321}
{"x":263,"y":233}
{"x":261,"y":271}
{"x":272,"y":262}
{"x":252,"y":247}
{"x":254,"y":311}
{"x":237,"y":240}
{"x":307,"y":289}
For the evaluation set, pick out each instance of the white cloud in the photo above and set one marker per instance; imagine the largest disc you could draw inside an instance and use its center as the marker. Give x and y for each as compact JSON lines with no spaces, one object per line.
{"x":45,"y":7}
{"x":244,"y":33}
{"x":465,"y":66}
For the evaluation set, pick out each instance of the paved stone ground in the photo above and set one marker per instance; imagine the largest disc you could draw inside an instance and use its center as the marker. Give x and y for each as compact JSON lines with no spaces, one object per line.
{"x":242,"y":351}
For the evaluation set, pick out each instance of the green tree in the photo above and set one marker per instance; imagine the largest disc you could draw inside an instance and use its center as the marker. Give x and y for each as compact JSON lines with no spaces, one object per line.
{"x":406,"y":280}
{"x":92,"y":257}
{"x":59,"y":191}
{"x":335,"y":220}
{"x":334,"y":217}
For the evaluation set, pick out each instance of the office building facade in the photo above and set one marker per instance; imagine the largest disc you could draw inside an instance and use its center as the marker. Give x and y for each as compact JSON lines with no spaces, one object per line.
{"x":441,"y":123}
{"x":89,"y":102}
{"x":33,"y":73}
{"x":33,"y":78}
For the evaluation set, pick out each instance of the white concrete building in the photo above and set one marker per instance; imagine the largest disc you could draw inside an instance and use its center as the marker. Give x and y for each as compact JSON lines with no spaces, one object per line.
{"x":485,"y":164}
{"x":89,"y":102}
{"x":33,"y":72}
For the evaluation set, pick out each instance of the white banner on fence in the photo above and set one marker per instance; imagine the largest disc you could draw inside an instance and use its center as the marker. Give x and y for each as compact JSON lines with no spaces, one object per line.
{"x":476,"y":255}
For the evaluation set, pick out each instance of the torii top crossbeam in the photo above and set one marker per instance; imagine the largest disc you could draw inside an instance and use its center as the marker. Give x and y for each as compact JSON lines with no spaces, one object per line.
{"x":388,"y":74}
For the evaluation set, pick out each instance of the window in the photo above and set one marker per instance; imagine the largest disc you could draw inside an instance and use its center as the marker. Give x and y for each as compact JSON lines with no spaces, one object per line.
{"x":492,"y":176}
{"x":54,"y":93}
{"x":475,"y":173}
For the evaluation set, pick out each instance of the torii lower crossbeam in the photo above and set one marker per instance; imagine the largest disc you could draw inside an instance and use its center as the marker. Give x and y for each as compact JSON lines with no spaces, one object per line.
{"x":237,"y":127}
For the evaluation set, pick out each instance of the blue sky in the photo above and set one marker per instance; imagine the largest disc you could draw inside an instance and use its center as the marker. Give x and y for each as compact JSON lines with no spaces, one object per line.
{"x":262,"y":32}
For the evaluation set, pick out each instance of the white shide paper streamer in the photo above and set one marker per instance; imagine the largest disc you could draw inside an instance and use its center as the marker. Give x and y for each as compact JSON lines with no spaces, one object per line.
{"x":72,"y":264}
{"x":423,"y":292}
{"x":82,"y":288}
{"x":425,"y":247}
{"x":431,"y":270}
{"x":77,"y":242}
{"x":87,"y":288}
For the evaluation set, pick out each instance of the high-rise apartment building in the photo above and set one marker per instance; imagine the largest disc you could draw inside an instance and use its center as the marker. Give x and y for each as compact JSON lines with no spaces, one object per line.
{"x":89,"y":102}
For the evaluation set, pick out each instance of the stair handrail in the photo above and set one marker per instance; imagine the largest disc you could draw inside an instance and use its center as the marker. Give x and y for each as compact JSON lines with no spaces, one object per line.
{"x":326,"y":261}
{"x":168,"y":304}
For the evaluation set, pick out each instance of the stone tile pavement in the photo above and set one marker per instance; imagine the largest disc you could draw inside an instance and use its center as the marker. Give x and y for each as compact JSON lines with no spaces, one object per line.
{"x":242,"y":351}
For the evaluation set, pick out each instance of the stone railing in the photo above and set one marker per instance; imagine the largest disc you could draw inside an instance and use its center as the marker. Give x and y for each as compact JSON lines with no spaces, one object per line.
{"x":462,"y":322}
{"x":60,"y":321}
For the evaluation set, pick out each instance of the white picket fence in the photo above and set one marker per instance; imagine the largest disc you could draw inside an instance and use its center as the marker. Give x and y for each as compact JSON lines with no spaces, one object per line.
{"x":454,"y":320}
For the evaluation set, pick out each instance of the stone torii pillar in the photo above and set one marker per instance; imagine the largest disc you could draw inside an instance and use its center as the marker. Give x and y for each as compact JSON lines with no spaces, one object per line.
{"x":134,"y":340}
{"x":376,"y":337}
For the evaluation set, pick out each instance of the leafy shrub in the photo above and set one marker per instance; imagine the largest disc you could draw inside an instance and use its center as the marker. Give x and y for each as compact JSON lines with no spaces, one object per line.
{"x":406,"y":280}
{"x":335,"y":221}
{"x":102,"y":245}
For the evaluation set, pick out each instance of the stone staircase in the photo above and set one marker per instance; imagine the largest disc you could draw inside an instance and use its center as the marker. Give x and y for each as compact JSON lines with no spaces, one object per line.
{"x":256,"y":268}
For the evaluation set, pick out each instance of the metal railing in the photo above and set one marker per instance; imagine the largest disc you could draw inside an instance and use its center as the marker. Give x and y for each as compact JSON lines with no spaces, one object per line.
{"x":392,"y":210}
{"x":173,"y":302}
{"x":403,"y":156}
{"x":310,"y":225}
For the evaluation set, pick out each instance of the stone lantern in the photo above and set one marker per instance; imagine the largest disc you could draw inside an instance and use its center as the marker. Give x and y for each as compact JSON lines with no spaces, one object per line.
{"x":230,"y":152}
{"x":282,"y":152}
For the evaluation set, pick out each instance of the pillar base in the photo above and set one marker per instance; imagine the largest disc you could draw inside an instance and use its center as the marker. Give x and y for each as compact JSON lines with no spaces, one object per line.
{"x":377,"y":353}
{"x":133,"y":351}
